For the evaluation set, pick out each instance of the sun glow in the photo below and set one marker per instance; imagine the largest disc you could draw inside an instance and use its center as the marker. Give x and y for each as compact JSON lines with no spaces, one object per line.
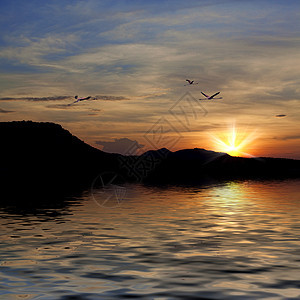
{"x":234,"y":142}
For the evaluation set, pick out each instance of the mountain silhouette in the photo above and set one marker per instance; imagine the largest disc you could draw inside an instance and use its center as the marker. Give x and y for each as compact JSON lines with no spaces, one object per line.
{"x":200,"y":165}
{"x":46,"y":158}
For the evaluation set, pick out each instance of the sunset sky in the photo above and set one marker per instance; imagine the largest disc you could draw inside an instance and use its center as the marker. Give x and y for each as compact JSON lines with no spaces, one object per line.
{"x":133,"y":58}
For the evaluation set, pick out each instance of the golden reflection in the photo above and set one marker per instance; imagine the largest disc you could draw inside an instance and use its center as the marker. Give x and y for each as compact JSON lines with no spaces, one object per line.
{"x":235,"y":226}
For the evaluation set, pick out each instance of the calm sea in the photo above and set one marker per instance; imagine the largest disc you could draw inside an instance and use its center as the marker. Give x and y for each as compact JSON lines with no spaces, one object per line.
{"x":236,"y":240}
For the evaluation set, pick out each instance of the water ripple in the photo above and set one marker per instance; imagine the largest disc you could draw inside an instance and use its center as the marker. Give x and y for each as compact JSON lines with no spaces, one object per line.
{"x":238,"y":240}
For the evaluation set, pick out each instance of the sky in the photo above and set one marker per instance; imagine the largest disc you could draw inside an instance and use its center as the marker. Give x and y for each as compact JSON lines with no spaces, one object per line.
{"x":133,"y":57}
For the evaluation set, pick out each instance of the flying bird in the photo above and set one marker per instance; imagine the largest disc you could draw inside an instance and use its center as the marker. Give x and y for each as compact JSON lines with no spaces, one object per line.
{"x":190,"y":82}
{"x":280,"y":116}
{"x":81,"y":99}
{"x":210,"y":97}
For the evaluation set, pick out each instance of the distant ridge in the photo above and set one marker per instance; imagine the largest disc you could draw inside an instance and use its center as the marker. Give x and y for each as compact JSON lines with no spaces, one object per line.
{"x":200,"y":165}
{"x":44,"y":156}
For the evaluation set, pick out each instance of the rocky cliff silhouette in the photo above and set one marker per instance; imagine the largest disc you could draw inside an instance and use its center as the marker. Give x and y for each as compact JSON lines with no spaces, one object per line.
{"x":47,"y":158}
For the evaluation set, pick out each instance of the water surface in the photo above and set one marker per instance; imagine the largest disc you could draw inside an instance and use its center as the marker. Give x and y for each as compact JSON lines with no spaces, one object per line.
{"x":237,"y":240}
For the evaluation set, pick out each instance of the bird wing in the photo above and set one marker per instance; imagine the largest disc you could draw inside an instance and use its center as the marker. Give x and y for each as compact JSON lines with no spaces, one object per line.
{"x":204,"y":95}
{"x":81,"y":99}
{"x":214,"y":95}
{"x":84,"y":98}
{"x":188,"y":81}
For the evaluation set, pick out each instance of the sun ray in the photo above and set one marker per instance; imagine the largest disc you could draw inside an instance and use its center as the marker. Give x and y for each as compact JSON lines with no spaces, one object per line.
{"x":234,"y":142}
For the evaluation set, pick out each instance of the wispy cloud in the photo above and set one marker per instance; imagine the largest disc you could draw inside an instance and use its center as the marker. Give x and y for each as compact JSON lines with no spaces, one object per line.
{"x":36,"y":99}
{"x":109,"y":98}
{"x":60,"y":106}
{"x":4,"y":111}
{"x":62,"y":98}
{"x":287,"y":137}
{"x":34,"y":51}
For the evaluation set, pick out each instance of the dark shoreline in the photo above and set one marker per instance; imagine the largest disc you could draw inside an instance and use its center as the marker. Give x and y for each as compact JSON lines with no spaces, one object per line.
{"x":45,"y":159}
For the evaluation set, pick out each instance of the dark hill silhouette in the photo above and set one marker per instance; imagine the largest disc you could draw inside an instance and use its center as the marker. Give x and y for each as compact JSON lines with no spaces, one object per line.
{"x":199,"y":165}
{"x":46,"y":158}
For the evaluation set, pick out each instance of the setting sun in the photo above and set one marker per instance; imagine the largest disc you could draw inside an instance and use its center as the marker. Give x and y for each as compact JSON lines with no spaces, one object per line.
{"x":234,"y":143}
